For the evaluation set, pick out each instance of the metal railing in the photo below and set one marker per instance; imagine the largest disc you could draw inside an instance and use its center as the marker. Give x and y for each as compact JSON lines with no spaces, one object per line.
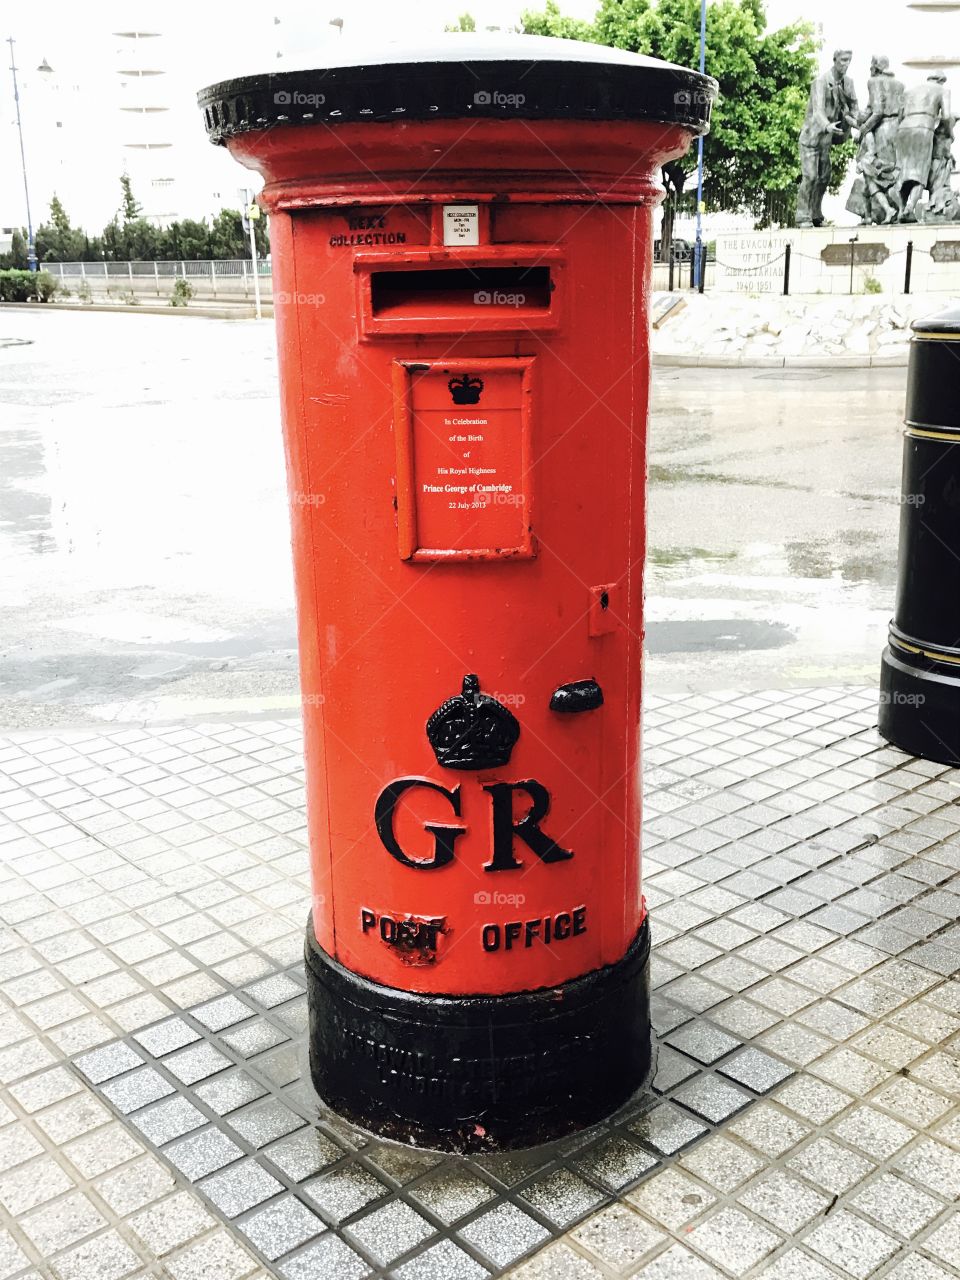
{"x":209,"y":278}
{"x":188,"y":268}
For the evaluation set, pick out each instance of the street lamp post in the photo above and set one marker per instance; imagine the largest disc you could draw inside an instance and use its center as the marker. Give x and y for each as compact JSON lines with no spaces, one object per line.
{"x":249,"y":216}
{"x":31,"y":252}
{"x":698,"y":264}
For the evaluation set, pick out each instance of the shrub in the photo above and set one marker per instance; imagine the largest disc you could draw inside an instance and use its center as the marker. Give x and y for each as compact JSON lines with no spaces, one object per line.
{"x":15,"y":286}
{"x":27,"y":286}
{"x":84,"y":292}
{"x":872,"y":285}
{"x":182,"y":292}
{"x":45,"y":285}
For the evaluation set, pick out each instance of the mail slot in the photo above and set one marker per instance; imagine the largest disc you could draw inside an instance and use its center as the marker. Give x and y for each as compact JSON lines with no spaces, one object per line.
{"x":461,"y":240}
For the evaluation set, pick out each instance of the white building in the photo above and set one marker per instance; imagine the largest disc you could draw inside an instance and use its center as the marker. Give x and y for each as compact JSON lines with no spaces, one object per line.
{"x":933,"y":38}
{"x":111,"y":89}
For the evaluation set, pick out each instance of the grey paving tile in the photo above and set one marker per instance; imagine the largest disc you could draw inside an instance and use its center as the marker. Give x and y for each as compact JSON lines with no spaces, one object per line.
{"x":217,"y":1255}
{"x":240,"y":1187}
{"x":223,"y":1012}
{"x":62,"y":1223}
{"x":275,"y":991}
{"x":558,"y":1262}
{"x":758,"y":1070}
{"x":197,"y":1063}
{"x":443,"y":1261}
{"x":112,"y":1060}
{"x":280,"y":1227}
{"x":561,"y":1196}
{"x":450,"y":1193}
{"x":389,"y":1232}
{"x":915,"y":1267}
{"x":226,"y":1093}
{"x":254,"y":1038}
{"x":829,"y":1165}
{"x":702,"y":1041}
{"x":667,"y":1129}
{"x":138,"y":1089}
{"x":933,"y":1165}
{"x":768,"y":1130}
{"x":712,"y":1098}
{"x":343,"y":1191}
{"x":678,"y":1263}
{"x":166,"y":1037}
{"x":896,"y":1205}
{"x":851,"y":1244}
{"x":168,"y":1120}
{"x":303,"y":1153}
{"x":619,"y":1237}
{"x":671,"y":1198}
{"x":731,"y":1239}
{"x":202,"y":1153}
{"x":721,"y":1163}
{"x":783,"y":1201}
{"x":615,"y":1162}
{"x":504,"y":1234}
{"x":29,"y":1185}
{"x":265,"y":1121}
{"x":328,"y":1258}
{"x":105,"y":1257}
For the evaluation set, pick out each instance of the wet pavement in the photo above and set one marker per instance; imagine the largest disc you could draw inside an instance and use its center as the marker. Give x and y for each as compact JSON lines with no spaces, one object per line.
{"x":156,"y":1118}
{"x":144,"y":552}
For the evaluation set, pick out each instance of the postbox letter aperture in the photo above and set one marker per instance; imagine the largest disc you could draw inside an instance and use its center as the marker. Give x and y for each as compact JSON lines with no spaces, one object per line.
{"x":461,"y":236}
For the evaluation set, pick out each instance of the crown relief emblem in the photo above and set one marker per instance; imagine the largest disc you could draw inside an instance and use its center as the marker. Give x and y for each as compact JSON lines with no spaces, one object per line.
{"x":465,"y":389}
{"x":472,"y":730}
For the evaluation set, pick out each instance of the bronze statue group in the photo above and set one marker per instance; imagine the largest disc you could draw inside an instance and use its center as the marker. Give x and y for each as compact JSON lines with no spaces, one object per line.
{"x":905,"y":136}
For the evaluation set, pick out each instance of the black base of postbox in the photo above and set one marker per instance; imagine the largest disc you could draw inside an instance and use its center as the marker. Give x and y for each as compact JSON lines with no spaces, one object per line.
{"x":479,"y":1073}
{"x":920,"y":708}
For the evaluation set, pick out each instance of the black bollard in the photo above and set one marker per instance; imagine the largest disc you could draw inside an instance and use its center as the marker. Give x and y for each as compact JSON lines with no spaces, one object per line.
{"x":920,"y":671}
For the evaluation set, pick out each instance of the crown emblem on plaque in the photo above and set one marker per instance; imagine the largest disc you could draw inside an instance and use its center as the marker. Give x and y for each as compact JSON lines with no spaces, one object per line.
{"x":472,"y":730}
{"x":465,"y":390}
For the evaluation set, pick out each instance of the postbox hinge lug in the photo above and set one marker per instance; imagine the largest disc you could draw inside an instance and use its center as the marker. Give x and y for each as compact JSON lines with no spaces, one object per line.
{"x":578,"y":695}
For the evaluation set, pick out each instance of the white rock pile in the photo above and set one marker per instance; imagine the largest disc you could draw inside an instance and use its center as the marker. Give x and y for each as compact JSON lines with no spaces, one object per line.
{"x":734,"y":327}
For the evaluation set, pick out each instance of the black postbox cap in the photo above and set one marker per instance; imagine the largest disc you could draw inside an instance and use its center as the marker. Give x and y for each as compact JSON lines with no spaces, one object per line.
{"x":464,"y":76}
{"x":945,"y":324}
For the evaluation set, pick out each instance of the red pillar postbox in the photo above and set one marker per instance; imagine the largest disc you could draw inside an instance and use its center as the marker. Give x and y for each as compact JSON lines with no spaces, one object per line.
{"x":461,"y":238}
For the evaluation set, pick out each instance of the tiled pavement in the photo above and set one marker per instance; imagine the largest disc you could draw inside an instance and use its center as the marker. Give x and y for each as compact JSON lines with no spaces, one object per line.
{"x":804,"y":880}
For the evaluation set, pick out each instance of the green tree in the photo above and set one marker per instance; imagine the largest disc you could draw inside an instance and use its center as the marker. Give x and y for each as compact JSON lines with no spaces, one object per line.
{"x":750,"y":156}
{"x":57,"y":240}
{"x":551,"y":22}
{"x":228,"y":239}
{"x":466,"y":22}
{"x":16,"y":259}
{"x":130,"y":207}
{"x":185,"y":239}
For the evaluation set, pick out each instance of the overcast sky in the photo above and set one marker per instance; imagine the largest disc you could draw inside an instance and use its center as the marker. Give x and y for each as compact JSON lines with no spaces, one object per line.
{"x":207,"y":42}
